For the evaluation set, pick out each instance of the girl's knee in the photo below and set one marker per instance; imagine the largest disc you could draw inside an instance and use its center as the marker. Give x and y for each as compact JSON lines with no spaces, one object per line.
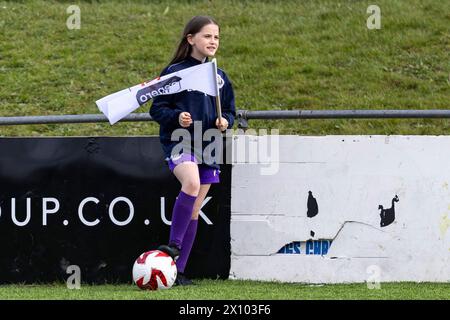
{"x":191,"y":187}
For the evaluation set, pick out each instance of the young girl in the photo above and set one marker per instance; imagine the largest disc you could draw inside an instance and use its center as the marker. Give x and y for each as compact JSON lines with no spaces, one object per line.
{"x":199,"y":42}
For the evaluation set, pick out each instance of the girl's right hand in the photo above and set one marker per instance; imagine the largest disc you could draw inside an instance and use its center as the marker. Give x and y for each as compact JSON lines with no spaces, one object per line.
{"x":185,"y":119}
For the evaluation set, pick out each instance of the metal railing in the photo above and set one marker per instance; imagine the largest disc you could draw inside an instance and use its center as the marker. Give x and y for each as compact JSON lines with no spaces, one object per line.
{"x":243,"y":116}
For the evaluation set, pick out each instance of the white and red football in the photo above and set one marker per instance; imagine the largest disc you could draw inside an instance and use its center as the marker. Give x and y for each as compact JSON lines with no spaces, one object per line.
{"x":154,"y":270}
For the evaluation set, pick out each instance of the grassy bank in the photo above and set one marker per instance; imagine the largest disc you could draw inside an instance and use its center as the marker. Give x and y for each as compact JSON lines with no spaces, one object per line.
{"x":293,"y":55}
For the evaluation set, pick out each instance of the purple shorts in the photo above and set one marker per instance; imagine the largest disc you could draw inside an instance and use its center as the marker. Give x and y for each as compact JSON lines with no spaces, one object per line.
{"x":207,"y":174}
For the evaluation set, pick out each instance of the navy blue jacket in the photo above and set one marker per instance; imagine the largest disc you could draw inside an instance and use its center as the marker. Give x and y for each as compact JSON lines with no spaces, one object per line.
{"x":166,"y":108}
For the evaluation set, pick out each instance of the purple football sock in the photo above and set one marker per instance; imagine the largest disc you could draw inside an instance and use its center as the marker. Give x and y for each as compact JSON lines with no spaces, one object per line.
{"x":186,"y":247}
{"x":182,"y":213}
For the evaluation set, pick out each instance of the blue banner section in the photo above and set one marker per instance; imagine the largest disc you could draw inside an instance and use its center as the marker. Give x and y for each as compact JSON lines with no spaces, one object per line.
{"x":310,"y":247}
{"x":97,"y":203}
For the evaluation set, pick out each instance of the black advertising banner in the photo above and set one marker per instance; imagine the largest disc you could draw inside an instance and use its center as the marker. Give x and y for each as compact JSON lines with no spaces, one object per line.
{"x":97,"y":203}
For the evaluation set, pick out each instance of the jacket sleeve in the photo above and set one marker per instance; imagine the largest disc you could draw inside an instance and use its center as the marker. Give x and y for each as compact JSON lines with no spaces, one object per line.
{"x":227,"y":101}
{"x":163,"y":109}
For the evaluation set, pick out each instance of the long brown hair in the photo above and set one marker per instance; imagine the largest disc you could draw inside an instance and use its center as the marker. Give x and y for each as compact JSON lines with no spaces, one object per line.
{"x":194,"y":25}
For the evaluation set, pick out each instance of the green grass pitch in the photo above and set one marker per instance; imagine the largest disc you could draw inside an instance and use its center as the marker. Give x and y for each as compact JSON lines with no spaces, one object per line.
{"x":232,"y":290}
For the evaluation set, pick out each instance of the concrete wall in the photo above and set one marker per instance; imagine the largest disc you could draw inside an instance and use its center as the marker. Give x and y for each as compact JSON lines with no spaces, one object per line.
{"x":278,"y":233}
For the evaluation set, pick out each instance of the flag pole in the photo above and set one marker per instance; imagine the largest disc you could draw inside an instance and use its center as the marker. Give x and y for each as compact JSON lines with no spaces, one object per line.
{"x":218,"y":106}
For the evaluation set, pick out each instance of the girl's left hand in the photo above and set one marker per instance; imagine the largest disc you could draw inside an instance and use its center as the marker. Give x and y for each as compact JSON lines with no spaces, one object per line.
{"x":223,"y":124}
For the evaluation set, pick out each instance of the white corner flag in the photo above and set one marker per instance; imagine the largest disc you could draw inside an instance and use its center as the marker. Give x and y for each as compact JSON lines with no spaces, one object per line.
{"x":201,"y":78}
